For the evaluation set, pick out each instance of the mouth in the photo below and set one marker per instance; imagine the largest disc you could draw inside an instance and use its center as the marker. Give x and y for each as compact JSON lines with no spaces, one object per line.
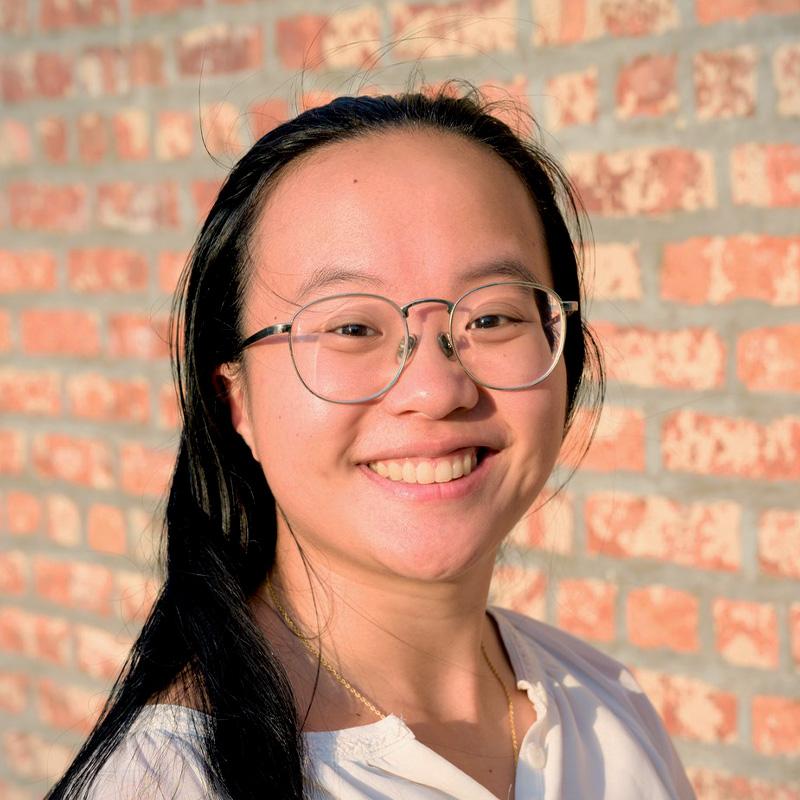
{"x":445,"y":469}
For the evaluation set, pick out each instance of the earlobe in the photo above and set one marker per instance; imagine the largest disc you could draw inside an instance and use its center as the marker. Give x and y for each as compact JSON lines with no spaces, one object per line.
{"x":230,"y":388}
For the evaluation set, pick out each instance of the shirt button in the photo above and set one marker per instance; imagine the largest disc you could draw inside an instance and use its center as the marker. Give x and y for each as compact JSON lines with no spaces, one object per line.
{"x":535,"y":756}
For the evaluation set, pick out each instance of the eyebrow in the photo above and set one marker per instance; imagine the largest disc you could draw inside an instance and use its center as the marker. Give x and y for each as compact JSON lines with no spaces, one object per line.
{"x":324,"y":277}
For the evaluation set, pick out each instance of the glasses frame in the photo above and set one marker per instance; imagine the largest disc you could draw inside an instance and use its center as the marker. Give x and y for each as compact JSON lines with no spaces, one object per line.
{"x":407,"y":346}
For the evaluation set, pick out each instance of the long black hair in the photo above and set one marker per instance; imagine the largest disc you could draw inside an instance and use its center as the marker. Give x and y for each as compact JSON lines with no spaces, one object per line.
{"x":220,"y":519}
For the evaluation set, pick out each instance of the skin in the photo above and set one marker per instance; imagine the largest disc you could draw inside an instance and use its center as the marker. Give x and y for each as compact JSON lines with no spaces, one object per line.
{"x":395,"y":580}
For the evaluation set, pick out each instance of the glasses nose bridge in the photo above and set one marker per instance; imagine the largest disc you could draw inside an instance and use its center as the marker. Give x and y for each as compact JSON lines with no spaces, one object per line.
{"x":443,"y":338}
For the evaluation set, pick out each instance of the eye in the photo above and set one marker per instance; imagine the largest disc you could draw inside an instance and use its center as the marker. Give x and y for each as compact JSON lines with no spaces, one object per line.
{"x":490,"y":321}
{"x":354,"y":329}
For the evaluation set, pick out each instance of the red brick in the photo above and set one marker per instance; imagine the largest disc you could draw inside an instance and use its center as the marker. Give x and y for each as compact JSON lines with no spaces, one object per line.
{"x":585,"y":608}
{"x":27,"y":271}
{"x":692,"y":358}
{"x":571,"y":99}
{"x":138,"y":208}
{"x":107,"y":269}
{"x":82,"y":461}
{"x":786,"y":77}
{"x":266,"y":115}
{"x":12,"y":452}
{"x":52,"y":133}
{"x":60,"y":332}
{"x":617,"y":445}
{"x":712,"y":11}
{"x":219,"y":49}
{"x":711,"y":785}
{"x":63,"y":520}
{"x":691,"y":708}
{"x":713,"y":445}
{"x":701,"y":535}
{"x":13,"y":16}
{"x":174,"y":137}
{"x":547,"y":526}
{"x":170,"y":267}
{"x":204,"y":193}
{"x":725,"y":83}
{"x":35,"y":758}
{"x":720,"y":270}
{"x":102,"y":70}
{"x":5,"y":331}
{"x":60,"y":14}
{"x":131,"y":129}
{"x":29,"y":391}
{"x":146,"y":470}
{"x":136,"y":594}
{"x":14,"y":689}
{"x":779,"y":542}
{"x":13,"y":573}
{"x":52,"y":75}
{"x":42,"y":207}
{"x":746,"y":633}
{"x":106,"y":529}
{"x":647,"y":87}
{"x":776,"y":725}
{"x":510,"y":102}
{"x":67,"y":706}
{"x":99,"y":653}
{"x":141,"y":7}
{"x":146,"y":64}
{"x":16,"y":77}
{"x":523,"y":590}
{"x":220,"y":124}
{"x":766,"y":175}
{"x":93,"y":137}
{"x":73,"y":584}
{"x":23,"y":513}
{"x":16,"y":148}
{"x":766,"y":359}
{"x":644,"y":181}
{"x":137,"y":336}
{"x":660,"y":616}
{"x":98,"y":397}
{"x":168,"y":411}
{"x":35,"y":636}
{"x":794,"y":632}
{"x":466,"y":28}
{"x":569,"y":21}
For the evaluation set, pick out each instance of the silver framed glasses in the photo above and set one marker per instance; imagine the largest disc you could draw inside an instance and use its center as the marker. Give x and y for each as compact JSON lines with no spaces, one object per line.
{"x":352,"y":348}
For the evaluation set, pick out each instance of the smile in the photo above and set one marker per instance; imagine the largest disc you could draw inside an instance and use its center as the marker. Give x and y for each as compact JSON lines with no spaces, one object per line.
{"x":428,"y":470}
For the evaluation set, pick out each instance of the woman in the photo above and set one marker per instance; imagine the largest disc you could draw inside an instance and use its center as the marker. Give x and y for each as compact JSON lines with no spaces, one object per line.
{"x":382,"y":351}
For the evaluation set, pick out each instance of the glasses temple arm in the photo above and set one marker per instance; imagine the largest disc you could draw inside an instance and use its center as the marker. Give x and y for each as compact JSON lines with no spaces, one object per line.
{"x":284,"y":327}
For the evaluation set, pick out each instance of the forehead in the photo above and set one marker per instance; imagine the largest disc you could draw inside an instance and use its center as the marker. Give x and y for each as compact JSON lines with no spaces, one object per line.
{"x":412,"y":212}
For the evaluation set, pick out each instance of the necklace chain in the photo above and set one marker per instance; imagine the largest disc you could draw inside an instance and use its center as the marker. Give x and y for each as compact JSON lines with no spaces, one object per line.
{"x":317,"y":653}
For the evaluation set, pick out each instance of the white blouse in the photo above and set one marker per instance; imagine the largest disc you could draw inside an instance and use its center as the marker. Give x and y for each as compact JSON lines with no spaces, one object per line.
{"x":596,"y":735}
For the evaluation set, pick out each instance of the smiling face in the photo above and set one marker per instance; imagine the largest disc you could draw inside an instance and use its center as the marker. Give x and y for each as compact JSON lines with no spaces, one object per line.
{"x":414,"y":212}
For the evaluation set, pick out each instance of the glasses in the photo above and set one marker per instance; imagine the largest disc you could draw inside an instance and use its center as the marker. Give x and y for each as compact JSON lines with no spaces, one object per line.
{"x":352,"y":348}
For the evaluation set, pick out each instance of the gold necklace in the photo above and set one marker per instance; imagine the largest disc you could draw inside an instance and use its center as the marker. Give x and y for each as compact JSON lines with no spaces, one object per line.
{"x":317,"y":653}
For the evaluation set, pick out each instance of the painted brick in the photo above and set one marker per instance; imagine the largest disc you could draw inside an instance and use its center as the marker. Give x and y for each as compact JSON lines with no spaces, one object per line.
{"x":52,"y":133}
{"x":571,"y":99}
{"x":27,"y":271}
{"x":35,"y":636}
{"x":98,"y":397}
{"x":779,"y":542}
{"x":29,"y":391}
{"x":12,"y":452}
{"x":73,"y":584}
{"x":65,"y":332}
{"x":728,"y":446}
{"x":585,"y":608}
{"x":13,"y":574}
{"x":691,"y":708}
{"x":660,"y":616}
{"x":776,"y":725}
{"x":137,"y":336}
{"x":131,"y":132}
{"x":142,"y":7}
{"x":23,"y":513}
{"x":14,"y":689}
{"x":725,"y":83}
{"x":106,"y":529}
{"x":145,"y":470}
{"x":93,"y":137}
{"x":466,"y":28}
{"x":107,"y":269}
{"x":644,"y":181}
{"x":102,"y":70}
{"x":220,"y":124}
{"x":617,"y":445}
{"x":170,"y":266}
{"x":766,"y":175}
{"x":547,"y":526}
{"x":350,"y":37}
{"x":204,"y":193}
{"x":766,"y":359}
{"x":710,"y":12}
{"x":67,"y":706}
{"x":48,"y":208}
{"x":794,"y":632}
{"x":135,"y":595}
{"x":174,"y":136}
{"x":701,"y":535}
{"x":219,"y":49}
{"x":717,"y":270}
{"x":146,"y":63}
{"x":63,"y":520}
{"x":138,"y":208}
{"x":746,"y":633}
{"x":16,"y":147}
{"x":81,"y":461}
{"x":692,"y":358}
{"x":61,"y":14}
{"x":647,"y":87}
{"x":35,"y":758}
{"x":266,"y":115}
{"x":522,"y":590}
{"x":99,"y":653}
{"x":711,"y":785}
{"x":613,"y":271}
{"x":168,"y":411}
{"x":786,"y":77}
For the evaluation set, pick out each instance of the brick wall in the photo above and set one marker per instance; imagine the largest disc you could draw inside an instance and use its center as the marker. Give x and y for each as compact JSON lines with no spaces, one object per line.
{"x":676,"y":547}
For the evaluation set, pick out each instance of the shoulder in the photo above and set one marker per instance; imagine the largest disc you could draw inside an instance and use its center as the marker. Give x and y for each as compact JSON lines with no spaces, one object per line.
{"x":161,"y":756}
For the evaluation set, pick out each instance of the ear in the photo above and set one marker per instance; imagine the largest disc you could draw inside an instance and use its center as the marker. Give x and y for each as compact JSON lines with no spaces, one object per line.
{"x":231,"y":388}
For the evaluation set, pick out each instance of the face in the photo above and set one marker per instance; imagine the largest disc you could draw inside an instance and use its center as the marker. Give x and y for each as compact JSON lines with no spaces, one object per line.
{"x":413,"y":211}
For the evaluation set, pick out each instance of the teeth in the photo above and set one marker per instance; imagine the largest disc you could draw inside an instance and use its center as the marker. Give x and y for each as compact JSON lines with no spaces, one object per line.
{"x":437,"y":470}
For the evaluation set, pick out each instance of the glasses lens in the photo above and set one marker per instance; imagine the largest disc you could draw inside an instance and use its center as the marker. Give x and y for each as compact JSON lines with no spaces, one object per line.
{"x":508,"y":335}
{"x":346,"y":348}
